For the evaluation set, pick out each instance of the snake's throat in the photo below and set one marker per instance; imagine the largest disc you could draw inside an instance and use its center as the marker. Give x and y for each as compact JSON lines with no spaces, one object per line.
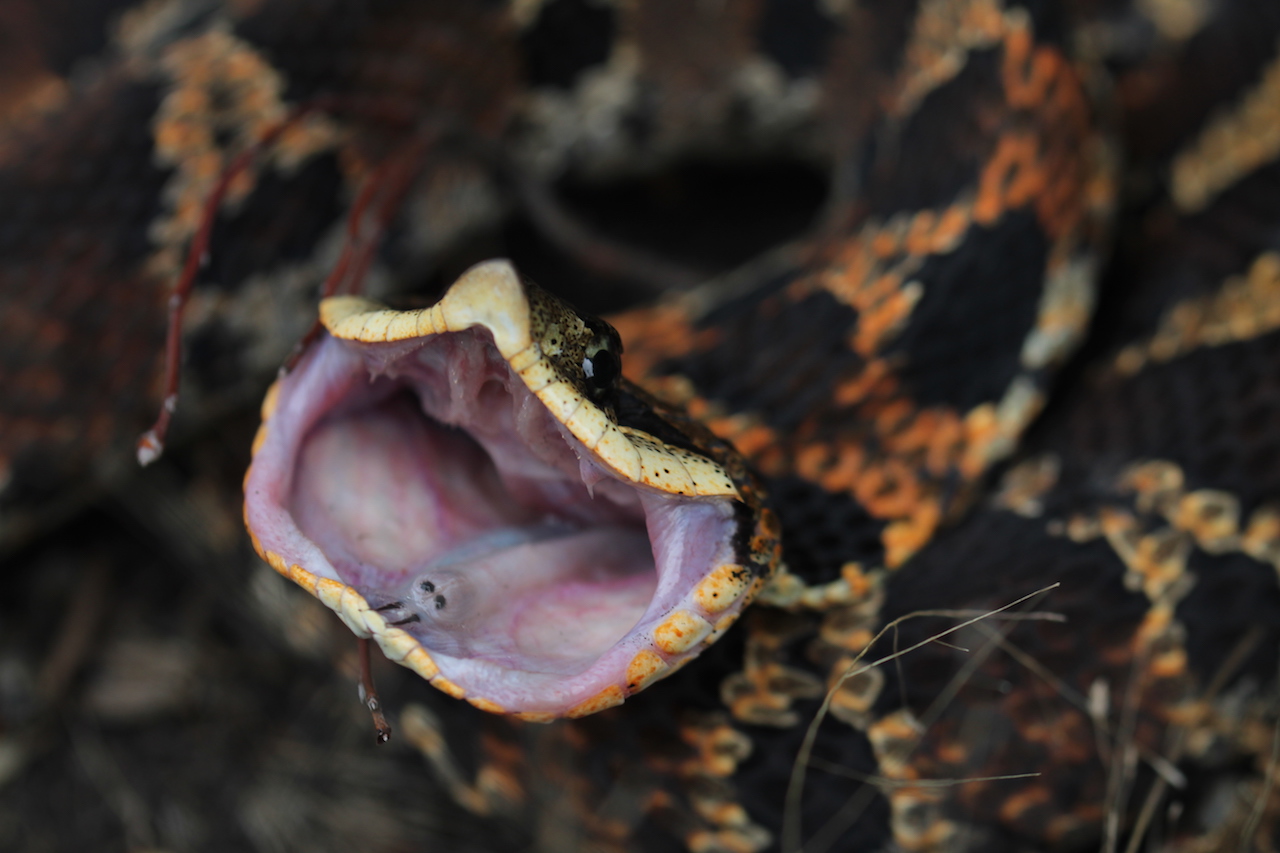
{"x":474,"y":537}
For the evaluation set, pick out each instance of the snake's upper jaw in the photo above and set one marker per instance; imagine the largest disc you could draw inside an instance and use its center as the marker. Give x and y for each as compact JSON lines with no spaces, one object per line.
{"x":443,"y":480}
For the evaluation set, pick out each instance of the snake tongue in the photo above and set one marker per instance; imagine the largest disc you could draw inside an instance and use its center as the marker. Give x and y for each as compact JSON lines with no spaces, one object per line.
{"x":426,"y":494}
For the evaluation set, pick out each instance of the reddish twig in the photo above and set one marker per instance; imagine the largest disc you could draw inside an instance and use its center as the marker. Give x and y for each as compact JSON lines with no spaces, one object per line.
{"x":151,"y":444}
{"x":396,"y":172}
{"x":369,"y":693}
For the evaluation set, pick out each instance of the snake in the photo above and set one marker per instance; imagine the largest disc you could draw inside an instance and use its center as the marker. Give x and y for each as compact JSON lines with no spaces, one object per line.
{"x":948,"y":521}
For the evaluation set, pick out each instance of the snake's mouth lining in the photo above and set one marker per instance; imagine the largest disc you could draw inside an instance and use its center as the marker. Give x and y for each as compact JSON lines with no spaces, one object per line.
{"x":427,"y":479}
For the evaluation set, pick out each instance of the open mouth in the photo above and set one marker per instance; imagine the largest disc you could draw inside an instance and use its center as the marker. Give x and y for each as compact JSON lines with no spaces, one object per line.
{"x":446,"y":495}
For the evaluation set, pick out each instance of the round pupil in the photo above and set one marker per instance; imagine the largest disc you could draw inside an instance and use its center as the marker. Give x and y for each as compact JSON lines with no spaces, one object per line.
{"x":601,"y":368}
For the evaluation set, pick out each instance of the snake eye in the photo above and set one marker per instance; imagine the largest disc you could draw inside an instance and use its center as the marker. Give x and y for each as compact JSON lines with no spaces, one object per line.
{"x":602,"y":364}
{"x":601,"y":369}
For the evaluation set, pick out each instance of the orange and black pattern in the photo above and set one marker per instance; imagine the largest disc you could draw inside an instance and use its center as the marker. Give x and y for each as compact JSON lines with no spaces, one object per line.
{"x":1027,"y":348}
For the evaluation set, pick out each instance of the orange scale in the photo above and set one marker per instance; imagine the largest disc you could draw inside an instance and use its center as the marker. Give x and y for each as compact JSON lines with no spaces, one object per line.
{"x":916,"y":433}
{"x":754,"y":440}
{"x":1015,"y":807}
{"x":848,"y":468}
{"x":920,"y":235}
{"x":1029,"y":180}
{"x":905,"y":537}
{"x":856,"y":388}
{"x":886,"y":244}
{"x":951,"y":227}
{"x":812,"y":461}
{"x":888,"y":490}
{"x":946,"y":446}
{"x":891,"y":418}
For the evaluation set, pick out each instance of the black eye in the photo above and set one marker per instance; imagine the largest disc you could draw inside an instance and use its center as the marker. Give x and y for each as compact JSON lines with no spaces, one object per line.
{"x":601,"y":369}
{"x":440,"y":602}
{"x":427,"y":587}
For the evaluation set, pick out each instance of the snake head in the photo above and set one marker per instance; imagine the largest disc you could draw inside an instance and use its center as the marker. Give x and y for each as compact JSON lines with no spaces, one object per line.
{"x":476,"y":487}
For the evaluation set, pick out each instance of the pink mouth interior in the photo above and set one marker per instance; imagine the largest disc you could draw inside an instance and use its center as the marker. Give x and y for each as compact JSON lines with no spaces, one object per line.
{"x":442,"y":490}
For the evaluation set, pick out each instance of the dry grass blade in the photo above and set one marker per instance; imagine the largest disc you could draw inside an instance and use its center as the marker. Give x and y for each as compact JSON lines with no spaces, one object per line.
{"x":105,"y":775}
{"x":1234,"y":661}
{"x":791,"y":829}
{"x":1260,"y":805}
{"x":1164,"y":767}
{"x":1124,"y":762}
{"x":842,"y":820}
{"x":885,"y":781}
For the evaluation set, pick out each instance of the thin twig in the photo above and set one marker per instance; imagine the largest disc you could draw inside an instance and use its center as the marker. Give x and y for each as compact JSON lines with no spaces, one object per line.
{"x":151,"y":444}
{"x":369,"y":693}
{"x":359,"y":248}
{"x":385,"y":110}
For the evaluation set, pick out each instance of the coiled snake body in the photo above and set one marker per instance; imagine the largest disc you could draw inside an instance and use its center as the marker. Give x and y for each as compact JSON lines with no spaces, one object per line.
{"x":1026,"y":355}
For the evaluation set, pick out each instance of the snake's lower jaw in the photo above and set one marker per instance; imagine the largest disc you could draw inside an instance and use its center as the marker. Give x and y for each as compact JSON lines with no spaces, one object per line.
{"x":419,"y":485}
